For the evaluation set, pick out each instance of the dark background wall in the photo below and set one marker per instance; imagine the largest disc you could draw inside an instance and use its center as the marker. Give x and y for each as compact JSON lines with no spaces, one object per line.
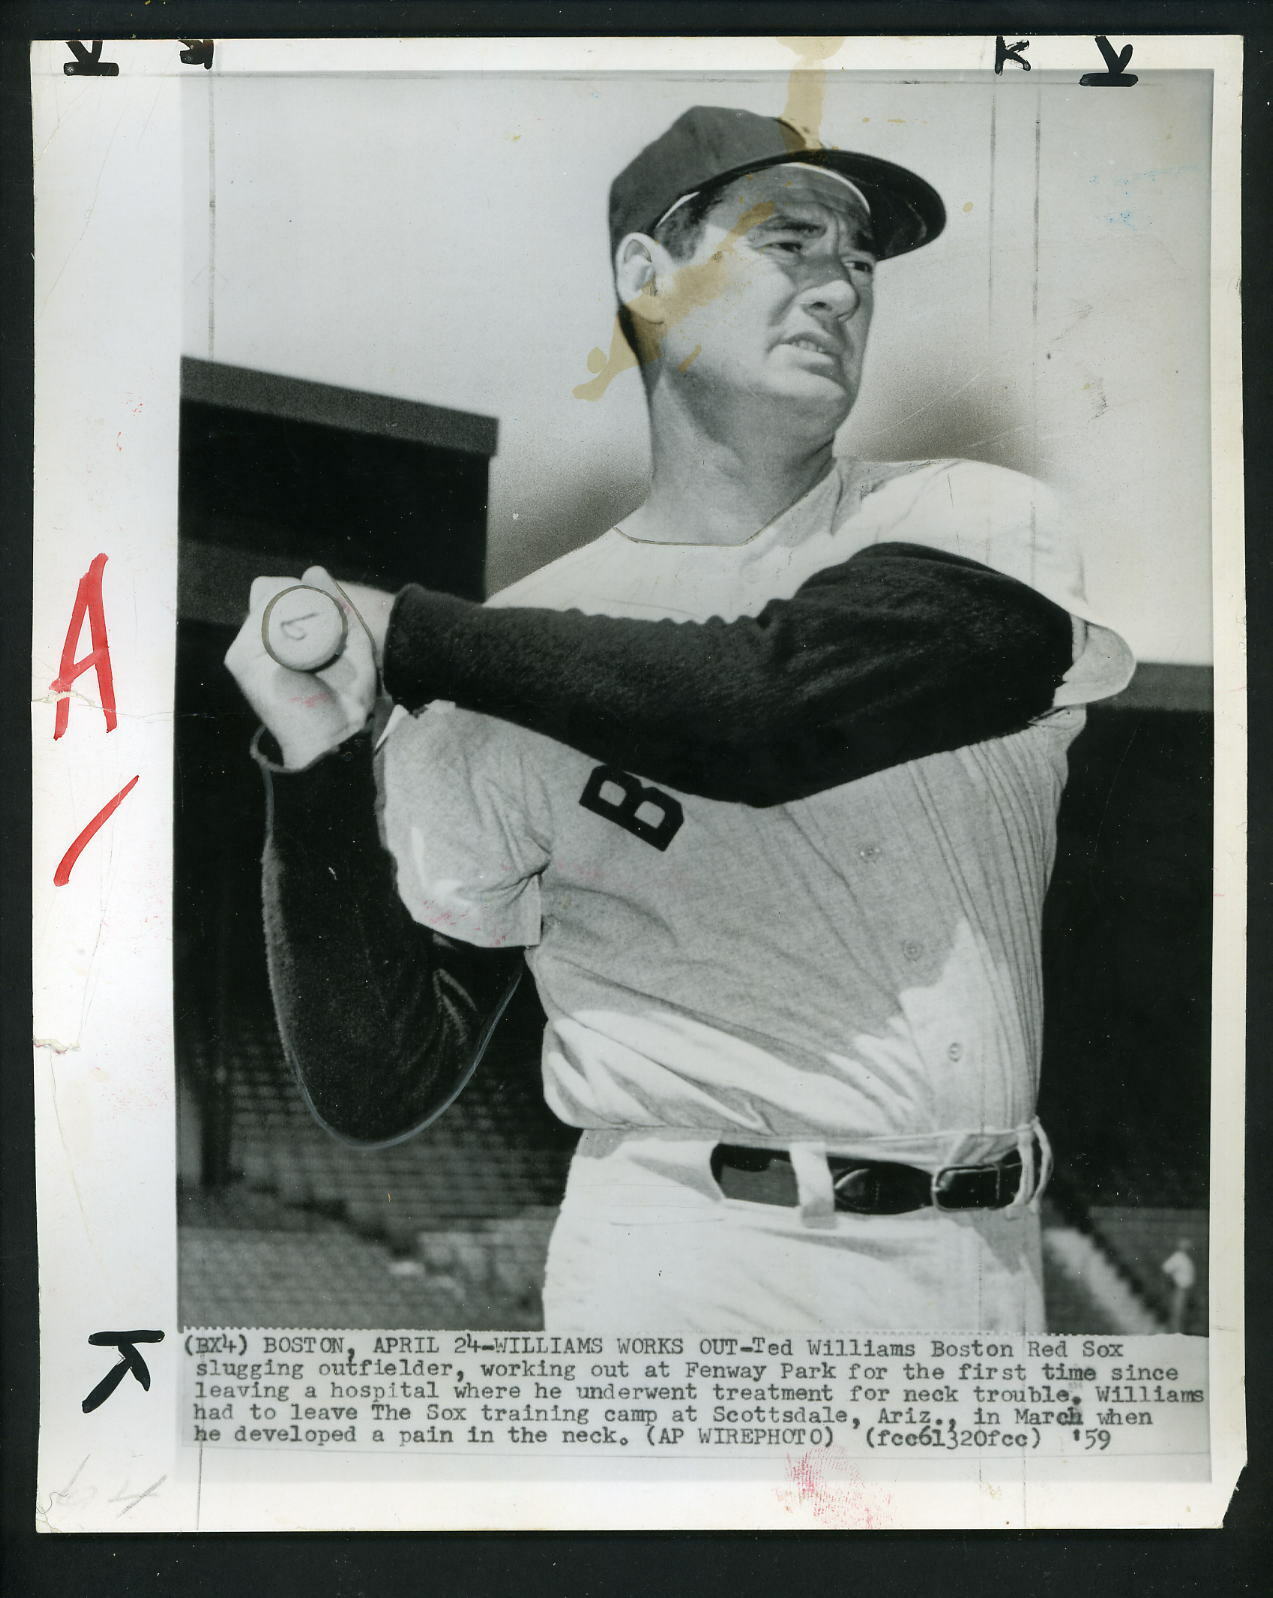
{"x":1127,"y":958}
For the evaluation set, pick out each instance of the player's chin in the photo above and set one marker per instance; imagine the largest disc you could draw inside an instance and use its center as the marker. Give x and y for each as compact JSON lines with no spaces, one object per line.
{"x":827,"y":394}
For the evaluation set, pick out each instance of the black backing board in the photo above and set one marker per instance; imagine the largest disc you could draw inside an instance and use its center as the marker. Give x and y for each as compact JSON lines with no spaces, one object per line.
{"x":1234,"y":1560}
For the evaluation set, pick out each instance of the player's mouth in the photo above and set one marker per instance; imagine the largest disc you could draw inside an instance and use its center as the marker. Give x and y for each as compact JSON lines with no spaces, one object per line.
{"x":817,"y":344}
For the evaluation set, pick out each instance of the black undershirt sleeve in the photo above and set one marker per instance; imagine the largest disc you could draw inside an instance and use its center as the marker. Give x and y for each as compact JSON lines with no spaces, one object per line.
{"x":900,"y":652}
{"x":382,"y":1020}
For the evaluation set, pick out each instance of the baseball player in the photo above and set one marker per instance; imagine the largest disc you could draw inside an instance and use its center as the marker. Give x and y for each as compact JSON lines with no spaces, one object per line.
{"x":801,"y":1032}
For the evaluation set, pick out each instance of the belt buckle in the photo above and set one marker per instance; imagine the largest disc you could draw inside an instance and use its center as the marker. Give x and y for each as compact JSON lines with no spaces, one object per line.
{"x":943,"y":1181}
{"x":1008,"y":1167}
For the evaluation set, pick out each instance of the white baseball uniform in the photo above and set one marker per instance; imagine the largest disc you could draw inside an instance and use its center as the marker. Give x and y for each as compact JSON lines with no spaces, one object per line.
{"x":855,"y":973}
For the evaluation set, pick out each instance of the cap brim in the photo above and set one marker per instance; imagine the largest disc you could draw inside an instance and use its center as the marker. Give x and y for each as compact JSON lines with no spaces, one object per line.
{"x":906,"y":212}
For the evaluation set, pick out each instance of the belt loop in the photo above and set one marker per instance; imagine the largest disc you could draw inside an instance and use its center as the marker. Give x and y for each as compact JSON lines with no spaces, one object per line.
{"x":813,"y":1180}
{"x":1045,"y":1173}
{"x":1025,"y":1184}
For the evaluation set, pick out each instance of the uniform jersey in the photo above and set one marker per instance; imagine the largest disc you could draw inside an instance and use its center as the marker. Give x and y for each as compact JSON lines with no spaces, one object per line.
{"x":860,"y":967}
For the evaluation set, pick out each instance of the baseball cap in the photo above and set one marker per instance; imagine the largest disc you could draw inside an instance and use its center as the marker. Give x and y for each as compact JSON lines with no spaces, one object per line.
{"x":710,"y":143}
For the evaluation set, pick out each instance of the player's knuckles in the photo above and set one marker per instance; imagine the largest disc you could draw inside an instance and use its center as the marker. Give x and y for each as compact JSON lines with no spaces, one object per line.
{"x":245,"y":649}
{"x":351,"y":676}
{"x":247,"y":653}
{"x":320,"y":577}
{"x":264,"y":589}
{"x":358,"y":649}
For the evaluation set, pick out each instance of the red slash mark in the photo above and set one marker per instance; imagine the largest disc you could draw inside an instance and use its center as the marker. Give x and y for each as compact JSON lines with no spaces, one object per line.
{"x":67,"y":863}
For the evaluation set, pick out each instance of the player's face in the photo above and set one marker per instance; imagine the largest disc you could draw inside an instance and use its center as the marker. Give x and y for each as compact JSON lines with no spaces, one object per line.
{"x":776,"y":301}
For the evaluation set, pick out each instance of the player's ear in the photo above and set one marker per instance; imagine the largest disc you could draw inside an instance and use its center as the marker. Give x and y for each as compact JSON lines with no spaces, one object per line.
{"x":640,"y":265}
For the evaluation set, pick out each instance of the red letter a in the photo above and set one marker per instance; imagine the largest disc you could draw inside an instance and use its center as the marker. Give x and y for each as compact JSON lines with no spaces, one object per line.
{"x":89,"y":598}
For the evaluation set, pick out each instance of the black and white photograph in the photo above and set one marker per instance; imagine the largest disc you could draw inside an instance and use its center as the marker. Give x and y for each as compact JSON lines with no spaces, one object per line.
{"x":694,"y":593}
{"x":797,"y":1065}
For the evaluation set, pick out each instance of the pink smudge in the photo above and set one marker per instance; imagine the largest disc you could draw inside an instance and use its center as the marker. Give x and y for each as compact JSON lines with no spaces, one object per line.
{"x":849,"y":1502}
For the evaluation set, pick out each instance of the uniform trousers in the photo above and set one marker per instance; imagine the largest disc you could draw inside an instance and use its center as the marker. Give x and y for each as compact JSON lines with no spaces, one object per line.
{"x":647,"y":1241}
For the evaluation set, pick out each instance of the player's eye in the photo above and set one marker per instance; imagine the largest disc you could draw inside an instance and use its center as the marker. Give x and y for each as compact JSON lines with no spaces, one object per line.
{"x":861,"y":266}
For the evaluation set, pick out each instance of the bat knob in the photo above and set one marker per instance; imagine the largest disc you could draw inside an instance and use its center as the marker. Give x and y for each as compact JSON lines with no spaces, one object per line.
{"x":304,"y":628}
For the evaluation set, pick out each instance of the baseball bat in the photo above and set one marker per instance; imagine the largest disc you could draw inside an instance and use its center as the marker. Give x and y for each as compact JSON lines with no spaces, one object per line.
{"x":304,"y":628}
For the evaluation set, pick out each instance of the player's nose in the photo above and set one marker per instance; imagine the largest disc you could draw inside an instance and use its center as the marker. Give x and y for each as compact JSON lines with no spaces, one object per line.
{"x":832,"y":291}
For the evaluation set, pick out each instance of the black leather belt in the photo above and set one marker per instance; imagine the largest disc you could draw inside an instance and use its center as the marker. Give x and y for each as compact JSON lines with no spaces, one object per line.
{"x":867,"y":1187}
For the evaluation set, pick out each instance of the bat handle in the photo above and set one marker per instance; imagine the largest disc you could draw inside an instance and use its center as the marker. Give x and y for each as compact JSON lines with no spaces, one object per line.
{"x":304,"y":628}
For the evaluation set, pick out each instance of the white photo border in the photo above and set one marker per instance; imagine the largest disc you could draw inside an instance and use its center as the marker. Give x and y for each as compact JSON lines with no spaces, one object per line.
{"x":109,"y":256}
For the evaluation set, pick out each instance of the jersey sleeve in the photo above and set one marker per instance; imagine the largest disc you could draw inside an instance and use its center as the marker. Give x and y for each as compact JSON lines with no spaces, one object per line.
{"x":1017,"y":525}
{"x":459,"y":819}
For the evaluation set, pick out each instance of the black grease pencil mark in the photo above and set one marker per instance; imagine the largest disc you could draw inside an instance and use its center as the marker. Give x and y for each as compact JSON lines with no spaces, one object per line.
{"x":1114,"y":77}
{"x":1010,"y":52}
{"x":129,"y":1360}
{"x":88,"y":63}
{"x":198,"y":52}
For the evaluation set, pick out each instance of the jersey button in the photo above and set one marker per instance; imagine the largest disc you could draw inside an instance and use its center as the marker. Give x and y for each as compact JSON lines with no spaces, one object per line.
{"x":956,"y":1051}
{"x":870,"y":852}
{"x":912,"y":950}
